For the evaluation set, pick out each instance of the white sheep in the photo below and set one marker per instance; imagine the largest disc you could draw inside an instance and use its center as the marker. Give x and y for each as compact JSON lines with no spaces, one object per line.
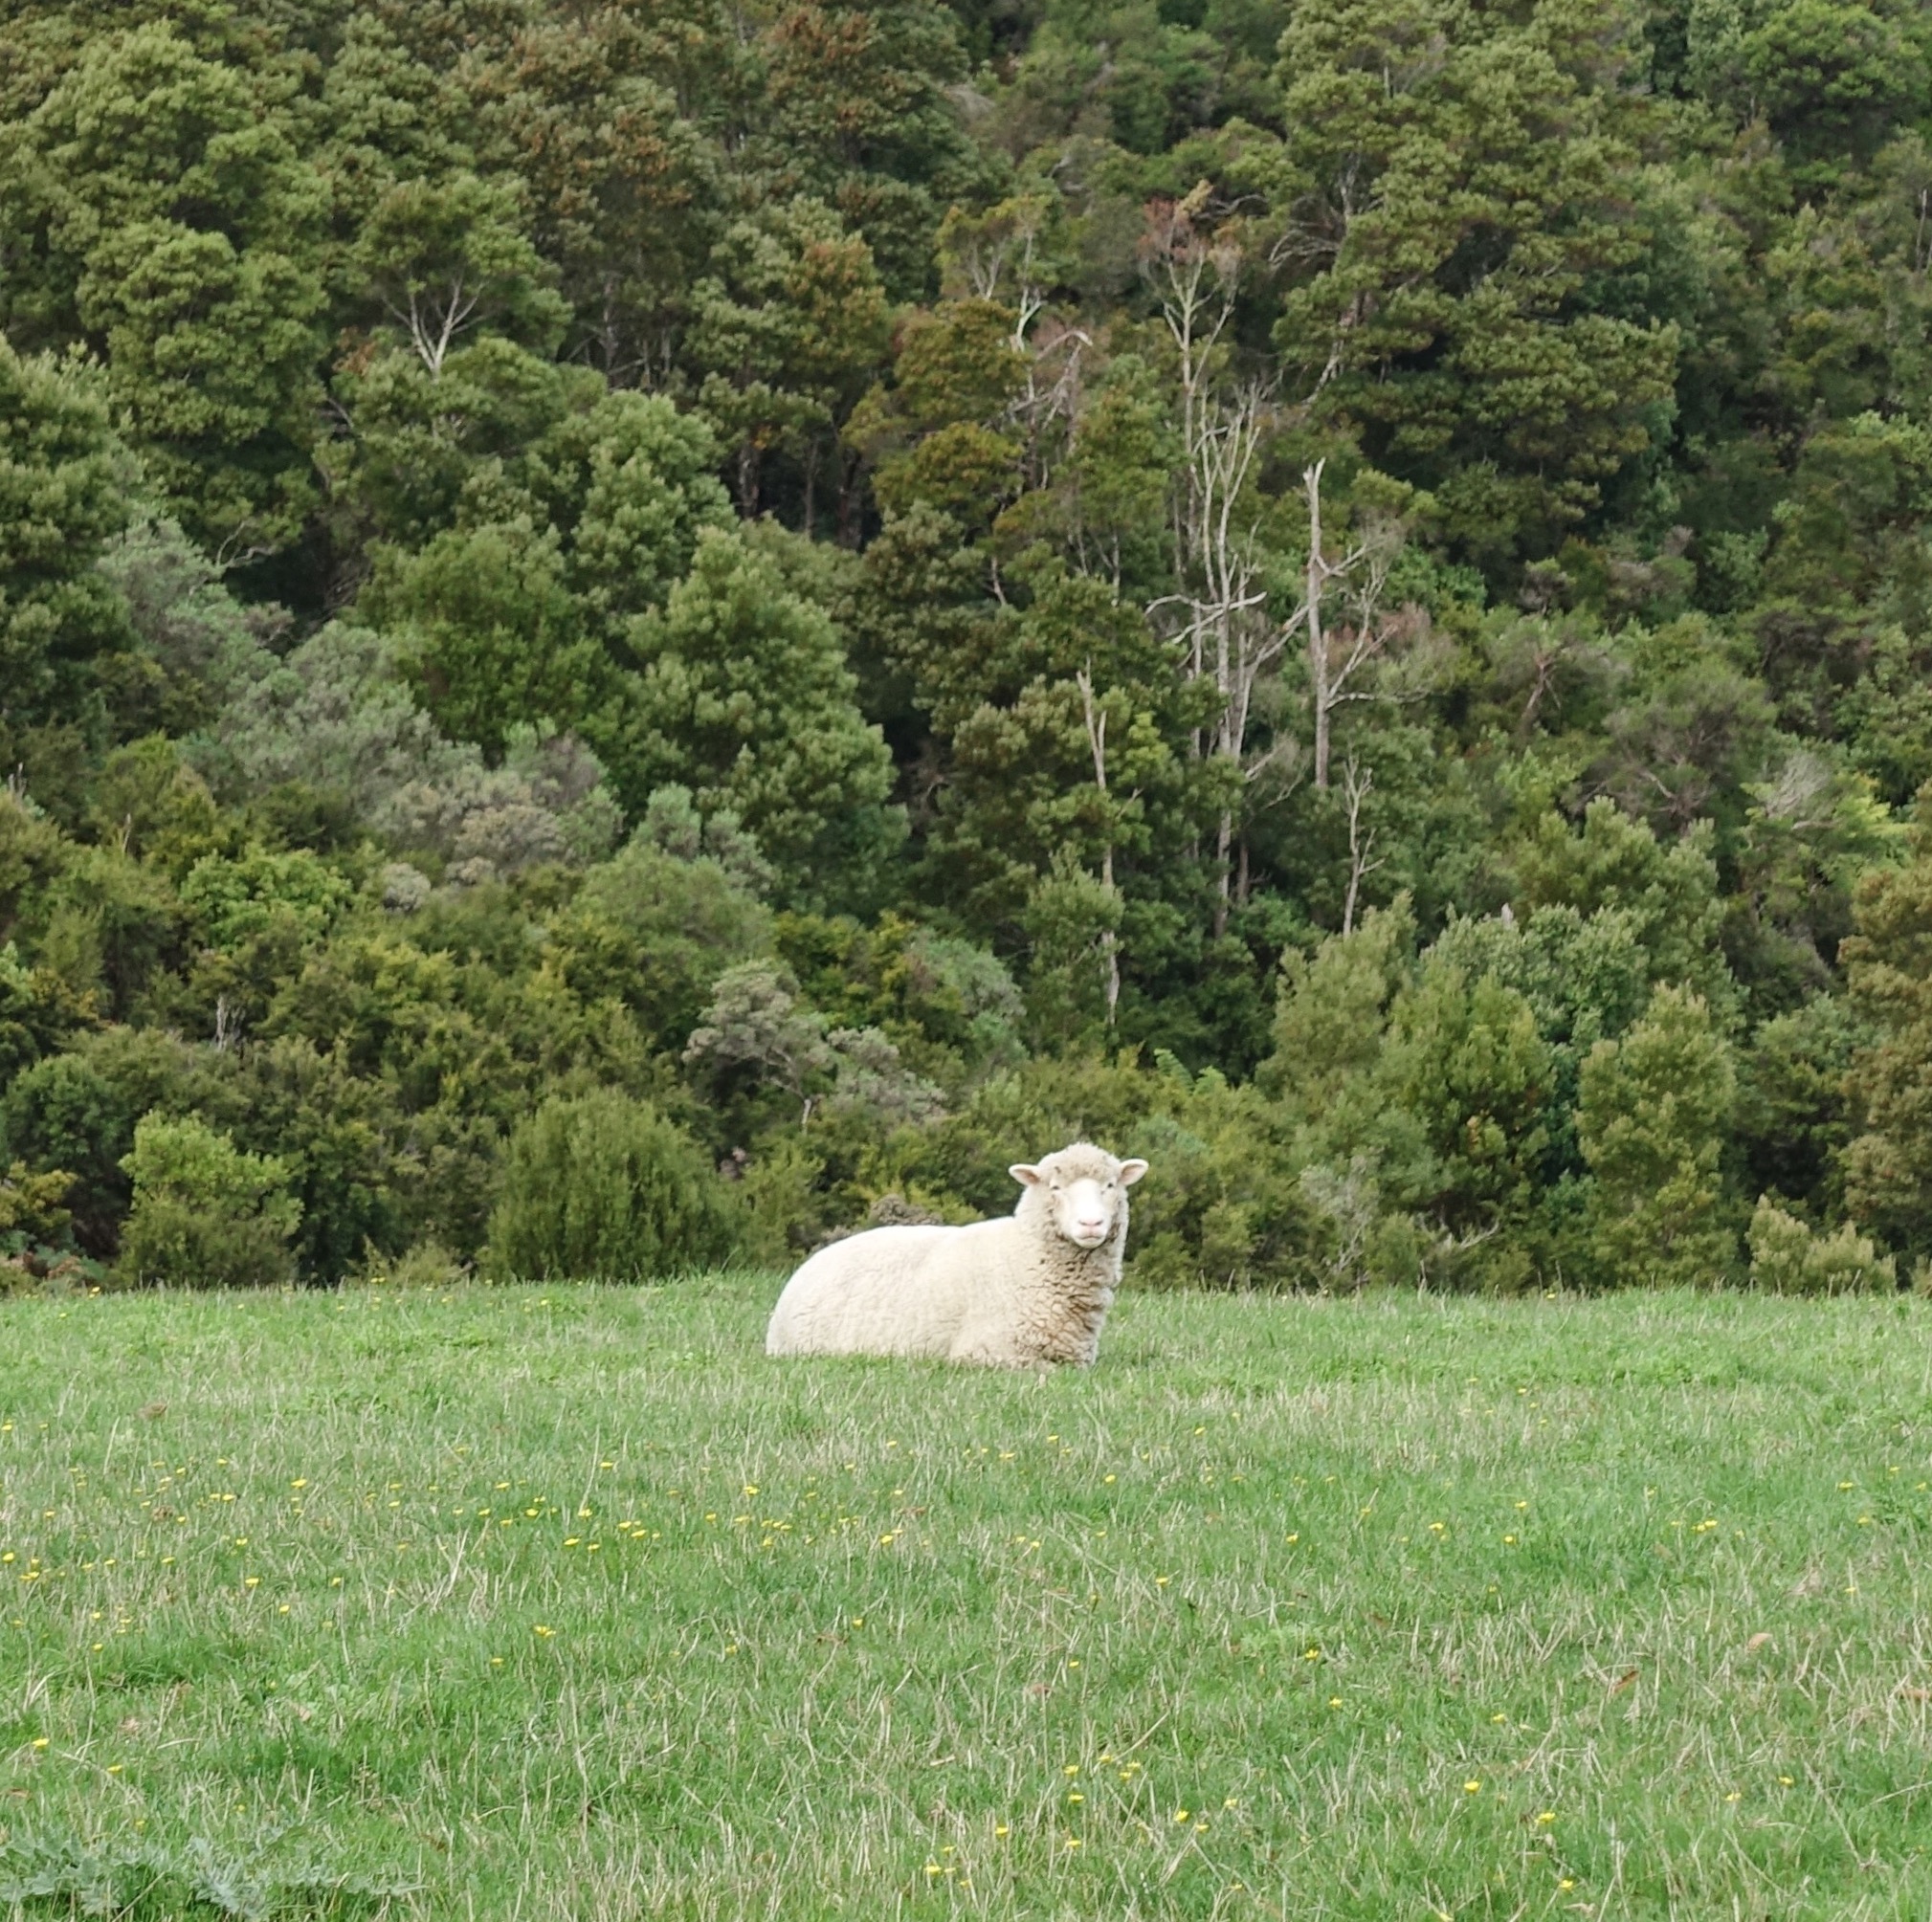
{"x":1023,"y":1290}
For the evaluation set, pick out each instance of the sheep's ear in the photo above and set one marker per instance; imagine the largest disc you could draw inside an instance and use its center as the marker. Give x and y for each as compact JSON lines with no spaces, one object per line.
{"x":1131,"y":1172}
{"x":1026,"y":1173}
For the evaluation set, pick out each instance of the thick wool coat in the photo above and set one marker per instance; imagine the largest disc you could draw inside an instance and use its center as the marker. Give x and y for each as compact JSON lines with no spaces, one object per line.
{"x":1012,"y":1292}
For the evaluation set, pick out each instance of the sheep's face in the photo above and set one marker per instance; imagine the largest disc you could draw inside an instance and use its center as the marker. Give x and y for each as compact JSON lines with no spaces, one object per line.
{"x":1085,"y":1190}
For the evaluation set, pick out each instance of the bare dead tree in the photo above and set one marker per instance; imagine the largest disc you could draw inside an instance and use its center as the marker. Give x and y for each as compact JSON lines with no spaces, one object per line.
{"x":1218,"y":618}
{"x":1005,"y":251}
{"x":1357,"y":783}
{"x":1340,"y":655}
{"x":1096,"y":717}
{"x":228,"y":1023}
{"x":1000,"y":259}
{"x":435,"y":316}
{"x":237,"y":551}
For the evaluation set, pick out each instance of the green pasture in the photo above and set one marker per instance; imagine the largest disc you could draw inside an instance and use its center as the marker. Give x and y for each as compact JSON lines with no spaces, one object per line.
{"x":567,"y":1603}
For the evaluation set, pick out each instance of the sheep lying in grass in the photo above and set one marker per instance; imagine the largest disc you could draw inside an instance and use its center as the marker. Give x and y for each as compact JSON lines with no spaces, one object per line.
{"x":1024,"y":1291}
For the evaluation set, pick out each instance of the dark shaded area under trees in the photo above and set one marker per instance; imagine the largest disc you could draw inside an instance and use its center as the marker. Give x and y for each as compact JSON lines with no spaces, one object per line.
{"x":629,"y":630}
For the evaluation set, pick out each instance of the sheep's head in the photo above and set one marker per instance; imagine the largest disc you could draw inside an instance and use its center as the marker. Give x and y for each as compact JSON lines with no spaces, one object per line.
{"x":1084,"y":1188}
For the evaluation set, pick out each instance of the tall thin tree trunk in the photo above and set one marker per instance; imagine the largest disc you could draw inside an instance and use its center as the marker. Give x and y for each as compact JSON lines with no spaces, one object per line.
{"x":1224,"y":841}
{"x":849,"y":473}
{"x":1097,"y":741}
{"x":1318,"y":691}
{"x":1110,"y":944}
{"x":1355,"y":790}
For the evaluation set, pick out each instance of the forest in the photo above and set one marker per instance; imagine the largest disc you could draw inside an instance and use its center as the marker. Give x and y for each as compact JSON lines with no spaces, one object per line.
{"x":633,"y":633}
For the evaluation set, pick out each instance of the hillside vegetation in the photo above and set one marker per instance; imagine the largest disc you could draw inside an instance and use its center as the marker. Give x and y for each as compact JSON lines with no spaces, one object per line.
{"x":1335,"y":593}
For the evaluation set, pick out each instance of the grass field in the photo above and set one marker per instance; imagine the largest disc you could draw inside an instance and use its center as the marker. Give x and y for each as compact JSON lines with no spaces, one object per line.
{"x":567,"y":1603}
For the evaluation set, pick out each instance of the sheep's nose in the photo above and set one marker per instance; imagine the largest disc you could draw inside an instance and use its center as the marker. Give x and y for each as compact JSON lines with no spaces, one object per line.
{"x":1093,"y":1225}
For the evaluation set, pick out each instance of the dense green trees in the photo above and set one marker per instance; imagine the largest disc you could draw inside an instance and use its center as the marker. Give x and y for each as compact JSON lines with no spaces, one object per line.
{"x":816,"y":596}
{"x":162,"y":216}
{"x":62,"y":482}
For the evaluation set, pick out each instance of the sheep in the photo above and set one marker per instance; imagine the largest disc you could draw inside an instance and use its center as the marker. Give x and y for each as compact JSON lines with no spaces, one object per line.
{"x":1023,"y":1290}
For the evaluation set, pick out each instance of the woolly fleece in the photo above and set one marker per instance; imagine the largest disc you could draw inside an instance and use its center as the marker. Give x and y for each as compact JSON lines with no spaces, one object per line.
{"x":1013,"y":1292}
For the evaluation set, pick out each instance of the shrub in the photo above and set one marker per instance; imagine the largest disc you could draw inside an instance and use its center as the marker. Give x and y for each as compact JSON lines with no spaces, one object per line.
{"x":30,"y":1205}
{"x":602,"y":1186}
{"x":235,"y":898}
{"x":1787,"y":1258}
{"x":658,"y":932}
{"x":1651,"y":1120}
{"x":427,"y":1265}
{"x":204,"y":1214}
{"x":77,"y":1112}
{"x":1225,"y":1210}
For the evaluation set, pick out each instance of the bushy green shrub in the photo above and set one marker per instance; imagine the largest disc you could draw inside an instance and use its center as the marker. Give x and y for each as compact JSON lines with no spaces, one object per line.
{"x":1788,"y":1258}
{"x":236,"y":897}
{"x":204,"y":1214}
{"x":656,"y":932}
{"x":1018,"y":1116}
{"x":1221,"y":1206}
{"x":1651,"y":1120}
{"x":30,"y":1205}
{"x":78,"y":1111}
{"x":603,"y":1186}
{"x":1227,"y":1210}
{"x":788,"y":1202}
{"x":427,"y":1265}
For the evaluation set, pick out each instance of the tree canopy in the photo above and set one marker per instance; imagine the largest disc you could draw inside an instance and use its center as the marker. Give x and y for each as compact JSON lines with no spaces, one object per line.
{"x":1338,"y":593}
